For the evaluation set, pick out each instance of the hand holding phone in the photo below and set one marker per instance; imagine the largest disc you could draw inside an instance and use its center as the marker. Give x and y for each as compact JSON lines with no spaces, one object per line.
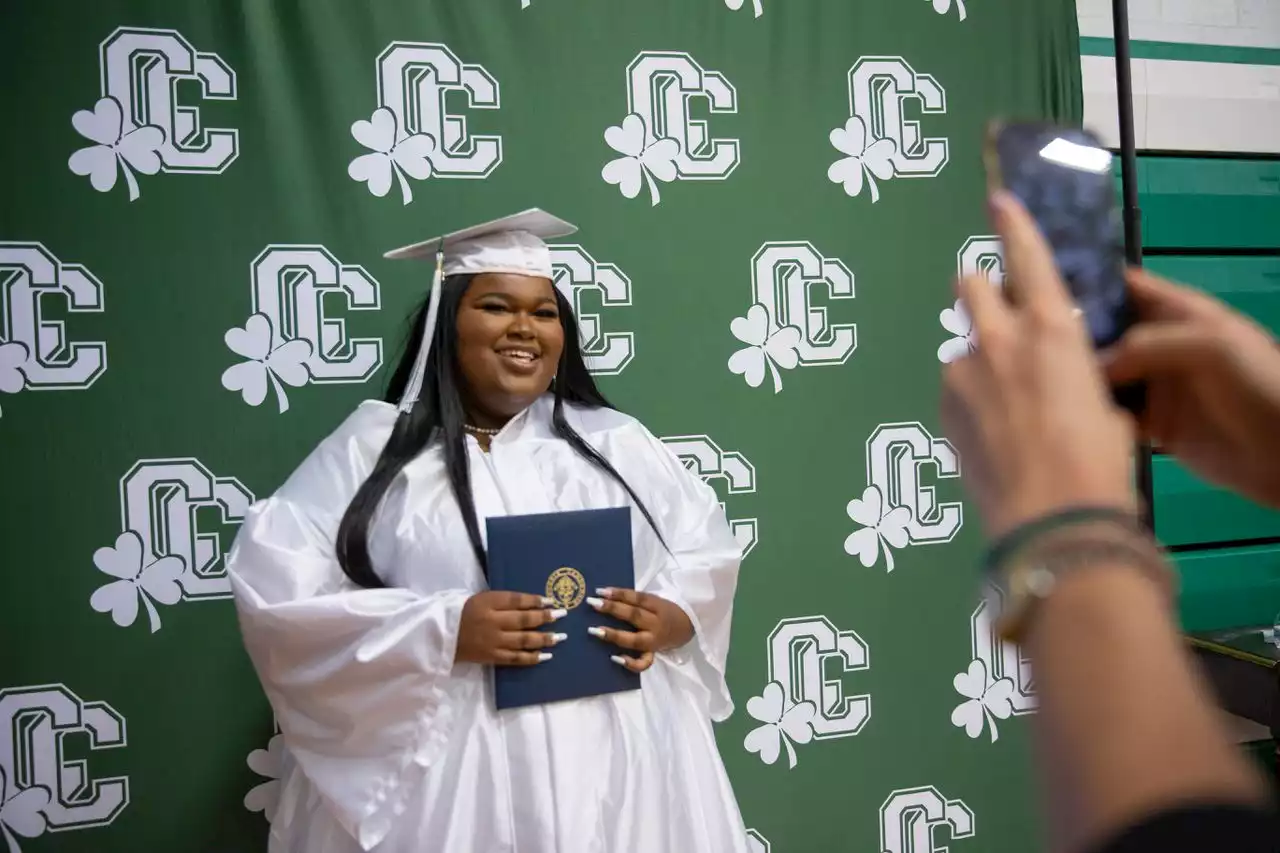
{"x":1063,"y":177}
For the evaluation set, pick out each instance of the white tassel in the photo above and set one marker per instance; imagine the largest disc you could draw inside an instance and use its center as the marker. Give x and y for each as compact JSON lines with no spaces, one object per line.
{"x":413,"y":389}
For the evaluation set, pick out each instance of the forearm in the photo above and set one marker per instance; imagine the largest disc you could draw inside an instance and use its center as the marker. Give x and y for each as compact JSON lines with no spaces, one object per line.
{"x":1126,"y":725}
{"x":324,"y":659}
{"x":702,"y":590}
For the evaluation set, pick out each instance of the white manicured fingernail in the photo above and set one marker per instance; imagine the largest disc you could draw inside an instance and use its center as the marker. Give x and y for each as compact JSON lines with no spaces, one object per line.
{"x":604,"y":591}
{"x":619,"y":660}
{"x":596,"y":632}
{"x":548,"y":602}
{"x":595,"y":602}
{"x":543,"y":657}
{"x":558,"y":613}
{"x":559,"y":638}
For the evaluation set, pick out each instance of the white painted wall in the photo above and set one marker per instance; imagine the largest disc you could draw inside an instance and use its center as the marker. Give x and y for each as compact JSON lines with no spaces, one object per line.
{"x":1189,"y":105}
{"x":1241,"y":23}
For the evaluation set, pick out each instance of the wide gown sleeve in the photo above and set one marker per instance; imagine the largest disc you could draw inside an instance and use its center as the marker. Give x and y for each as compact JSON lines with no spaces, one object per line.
{"x":357,"y":677}
{"x":700,"y":574}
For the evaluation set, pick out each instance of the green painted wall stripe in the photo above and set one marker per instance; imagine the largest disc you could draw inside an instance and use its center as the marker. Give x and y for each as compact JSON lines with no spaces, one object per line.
{"x":1183,"y":51}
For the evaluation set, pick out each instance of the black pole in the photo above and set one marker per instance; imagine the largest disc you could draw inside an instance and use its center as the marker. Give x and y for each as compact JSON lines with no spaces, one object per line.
{"x":1131,"y":211}
{"x":1128,"y":155}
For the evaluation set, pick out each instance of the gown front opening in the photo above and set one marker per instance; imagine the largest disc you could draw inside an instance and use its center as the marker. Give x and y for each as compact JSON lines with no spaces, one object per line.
{"x":393,"y":747}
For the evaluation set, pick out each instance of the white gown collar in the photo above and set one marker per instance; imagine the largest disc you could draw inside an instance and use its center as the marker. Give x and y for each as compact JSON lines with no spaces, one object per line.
{"x":534,"y":421}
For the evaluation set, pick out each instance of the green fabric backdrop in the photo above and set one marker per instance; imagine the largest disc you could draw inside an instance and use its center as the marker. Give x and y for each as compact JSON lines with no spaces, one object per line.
{"x":773,"y":303}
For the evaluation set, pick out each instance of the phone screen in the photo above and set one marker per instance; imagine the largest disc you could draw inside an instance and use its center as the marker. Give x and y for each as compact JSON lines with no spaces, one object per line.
{"x":1063,"y":176}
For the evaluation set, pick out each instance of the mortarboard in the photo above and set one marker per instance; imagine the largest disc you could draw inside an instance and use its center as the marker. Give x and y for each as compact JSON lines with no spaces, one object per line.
{"x":512,"y":244}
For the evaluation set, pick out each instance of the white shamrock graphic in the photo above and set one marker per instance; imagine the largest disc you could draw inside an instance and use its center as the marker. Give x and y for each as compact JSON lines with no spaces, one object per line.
{"x":774,"y":350}
{"x":735,"y":5}
{"x":22,"y":812}
{"x":879,"y":524}
{"x":138,"y":148}
{"x":410,"y":156}
{"x":12,"y":356}
{"x":286,"y":363}
{"x":267,"y":762}
{"x":956,"y":320}
{"x":985,"y":700}
{"x":942,"y":7}
{"x":158,"y":581}
{"x":782,"y":724}
{"x":656,"y":160}
{"x":869,"y":161}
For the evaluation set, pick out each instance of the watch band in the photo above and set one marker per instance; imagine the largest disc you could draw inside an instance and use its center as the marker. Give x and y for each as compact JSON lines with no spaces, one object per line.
{"x":1010,"y":542}
{"x":1027,"y":576}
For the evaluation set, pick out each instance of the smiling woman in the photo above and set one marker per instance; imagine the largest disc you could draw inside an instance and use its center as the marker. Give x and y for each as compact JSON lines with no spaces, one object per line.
{"x":363,"y":596}
{"x":509,"y":344}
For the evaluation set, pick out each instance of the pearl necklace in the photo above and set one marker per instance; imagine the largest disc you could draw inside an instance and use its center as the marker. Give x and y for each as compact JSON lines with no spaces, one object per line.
{"x":475,"y":430}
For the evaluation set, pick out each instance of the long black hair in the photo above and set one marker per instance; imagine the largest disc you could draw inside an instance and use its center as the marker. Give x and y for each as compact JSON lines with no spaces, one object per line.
{"x":439,"y":413}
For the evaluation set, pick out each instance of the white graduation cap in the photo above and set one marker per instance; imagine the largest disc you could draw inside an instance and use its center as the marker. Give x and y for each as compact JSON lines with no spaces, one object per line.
{"x":512,"y":244}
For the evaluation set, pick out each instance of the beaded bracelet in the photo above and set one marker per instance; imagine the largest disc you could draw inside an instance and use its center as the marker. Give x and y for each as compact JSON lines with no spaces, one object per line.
{"x":1031,"y":572}
{"x":1018,"y":537}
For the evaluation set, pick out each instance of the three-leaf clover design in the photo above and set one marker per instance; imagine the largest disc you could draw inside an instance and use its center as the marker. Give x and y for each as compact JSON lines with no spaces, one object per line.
{"x":139,"y":148}
{"x":410,"y":156}
{"x":22,"y":812}
{"x":13,"y":356}
{"x":783,"y":724}
{"x":765,"y":347}
{"x":986,"y":700}
{"x":942,"y":7}
{"x":880,"y":525}
{"x":956,"y":320}
{"x":735,"y":5}
{"x":286,"y":363}
{"x":156,"y":581}
{"x":267,"y":762}
{"x":863,"y":160}
{"x":639,"y":160}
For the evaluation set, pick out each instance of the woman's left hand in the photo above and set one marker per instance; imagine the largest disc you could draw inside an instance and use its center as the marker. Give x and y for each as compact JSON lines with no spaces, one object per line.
{"x":660,"y":625}
{"x":1029,"y":409}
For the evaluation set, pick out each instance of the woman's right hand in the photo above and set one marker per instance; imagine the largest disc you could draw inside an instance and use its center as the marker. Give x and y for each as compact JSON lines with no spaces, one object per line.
{"x":502,"y":628}
{"x":1213,"y":385}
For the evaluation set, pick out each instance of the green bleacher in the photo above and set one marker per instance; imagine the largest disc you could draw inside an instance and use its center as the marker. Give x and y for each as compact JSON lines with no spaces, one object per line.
{"x":1209,"y":203}
{"x":1214,"y":223}
{"x":1193,"y":207}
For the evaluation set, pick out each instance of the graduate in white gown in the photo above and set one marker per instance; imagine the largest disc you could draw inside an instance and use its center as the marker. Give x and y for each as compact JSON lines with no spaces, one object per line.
{"x":361,"y":593}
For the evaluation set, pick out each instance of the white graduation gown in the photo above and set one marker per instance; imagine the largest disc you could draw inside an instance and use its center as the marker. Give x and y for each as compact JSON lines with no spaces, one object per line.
{"x":395,"y":748}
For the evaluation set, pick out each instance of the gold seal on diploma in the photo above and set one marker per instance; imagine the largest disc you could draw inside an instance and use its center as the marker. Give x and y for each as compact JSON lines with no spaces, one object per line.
{"x":567,"y":587}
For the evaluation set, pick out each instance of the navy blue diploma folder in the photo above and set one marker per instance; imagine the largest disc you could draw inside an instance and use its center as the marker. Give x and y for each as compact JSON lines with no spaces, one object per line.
{"x":564,"y":556}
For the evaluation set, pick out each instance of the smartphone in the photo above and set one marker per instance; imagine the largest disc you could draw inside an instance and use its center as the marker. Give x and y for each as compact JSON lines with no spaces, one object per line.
{"x":1064,"y":177}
